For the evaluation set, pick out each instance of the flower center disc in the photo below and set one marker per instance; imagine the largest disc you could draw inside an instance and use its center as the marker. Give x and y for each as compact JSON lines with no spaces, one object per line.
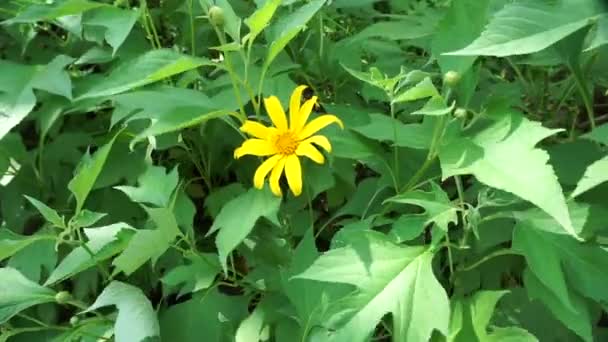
{"x":286,"y":143}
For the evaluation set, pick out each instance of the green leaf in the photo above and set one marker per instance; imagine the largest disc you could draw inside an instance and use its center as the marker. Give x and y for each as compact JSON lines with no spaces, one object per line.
{"x":196,"y":276}
{"x":136,"y":318}
{"x":596,"y":174}
{"x":49,"y":10}
{"x":104,"y":243}
{"x":600,"y":36}
{"x":471,"y":317}
{"x":210,"y":316}
{"x":87,"y":172}
{"x":560,"y":262}
{"x":406,"y":28}
{"x":288,"y":27}
{"x":155,"y":186}
{"x":599,"y":134}
{"x":251,"y":327}
{"x":150,"y":67}
{"x":382,"y":128}
{"x":49,"y":214}
{"x":497,"y":155}
{"x":238,"y":217}
{"x":18,"y":293}
{"x":435,"y":107}
{"x":525,"y":27}
{"x":17,"y":98}
{"x":457,"y":29}
{"x":148,"y":244}
{"x":391,"y":279}
{"x":87,"y":218}
{"x":258,"y":21}
{"x":578,"y":320}
{"x":112,"y":23}
{"x":438,"y":207}
{"x":11,"y":243}
{"x":423,"y":89}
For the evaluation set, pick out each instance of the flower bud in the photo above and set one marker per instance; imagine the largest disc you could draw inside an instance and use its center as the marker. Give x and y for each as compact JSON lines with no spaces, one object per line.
{"x":451,"y":78}
{"x":63,"y":297}
{"x":74,"y":320}
{"x":216,"y":16}
{"x":460,"y":113}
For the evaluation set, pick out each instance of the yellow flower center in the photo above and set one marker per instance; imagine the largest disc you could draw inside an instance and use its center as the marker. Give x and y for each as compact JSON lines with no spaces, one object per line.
{"x":286,"y":143}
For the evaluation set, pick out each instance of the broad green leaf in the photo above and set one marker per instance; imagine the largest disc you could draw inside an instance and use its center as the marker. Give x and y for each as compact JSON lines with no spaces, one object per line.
{"x":260,"y":19}
{"x":11,"y":243}
{"x":391,"y":279}
{"x":471,"y":317}
{"x":238,"y":217}
{"x":600,"y":35}
{"x":457,"y":29}
{"x":210,"y":316}
{"x":497,"y":155}
{"x":152,"y":66}
{"x":148,"y":244}
{"x":35,"y":260}
{"x":49,"y":214}
{"x":87,"y":172}
{"x":596,"y":174}
{"x":406,"y":28}
{"x":288,"y":27}
{"x":17,"y":98}
{"x":104,"y":243}
{"x":511,"y":334}
{"x":438,"y":207}
{"x":49,"y":10}
{"x":423,"y":89}
{"x":155,"y":186}
{"x":109,"y":23}
{"x":408,"y":227}
{"x":528,"y":26}
{"x":561,"y":262}
{"x":578,"y":320}
{"x":87,"y":218}
{"x":435,"y":106}
{"x":382,"y":128}
{"x":136,"y":318}
{"x":18,"y":293}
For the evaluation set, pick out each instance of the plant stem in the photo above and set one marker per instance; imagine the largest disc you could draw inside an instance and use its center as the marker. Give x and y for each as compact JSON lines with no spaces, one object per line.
{"x":192,"y":33}
{"x":584,"y":92}
{"x":395,"y":148}
{"x":488,"y":257}
{"x":237,"y":93}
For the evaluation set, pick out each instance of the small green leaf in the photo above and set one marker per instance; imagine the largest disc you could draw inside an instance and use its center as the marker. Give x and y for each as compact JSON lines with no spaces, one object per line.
{"x":196,"y":276}
{"x":87,"y":218}
{"x":49,"y":214}
{"x":438,"y":207}
{"x":238,"y":217}
{"x":87,"y":172}
{"x":260,"y":19}
{"x":435,"y":107}
{"x":423,"y":89}
{"x":18,"y":293}
{"x":49,"y":10}
{"x":112,"y":23}
{"x":596,"y":174}
{"x":155,"y":186}
{"x":136,"y":318}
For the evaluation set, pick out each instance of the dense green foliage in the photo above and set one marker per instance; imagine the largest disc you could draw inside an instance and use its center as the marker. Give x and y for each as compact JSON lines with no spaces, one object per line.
{"x":464,"y":200}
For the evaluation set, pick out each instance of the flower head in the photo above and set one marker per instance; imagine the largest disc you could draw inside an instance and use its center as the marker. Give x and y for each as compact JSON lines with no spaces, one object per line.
{"x":285,"y":142}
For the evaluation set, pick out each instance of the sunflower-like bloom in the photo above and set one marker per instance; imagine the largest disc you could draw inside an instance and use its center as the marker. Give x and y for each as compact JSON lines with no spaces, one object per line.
{"x":286,"y":142}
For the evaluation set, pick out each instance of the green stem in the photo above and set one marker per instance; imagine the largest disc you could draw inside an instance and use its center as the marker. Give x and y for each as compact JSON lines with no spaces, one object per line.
{"x":192,"y":32}
{"x":395,"y":148}
{"x":584,"y":92}
{"x":237,"y":93}
{"x":488,"y":257}
{"x":101,"y":267}
{"x":519,"y":74}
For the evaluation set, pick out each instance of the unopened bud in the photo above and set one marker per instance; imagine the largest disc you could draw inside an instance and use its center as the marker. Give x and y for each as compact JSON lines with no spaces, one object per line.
{"x":451,"y":78}
{"x":63,"y":297}
{"x":460,"y":113}
{"x":216,"y":16}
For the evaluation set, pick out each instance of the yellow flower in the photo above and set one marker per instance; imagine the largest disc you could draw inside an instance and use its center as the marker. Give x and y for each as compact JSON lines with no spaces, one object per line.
{"x":286,"y":142}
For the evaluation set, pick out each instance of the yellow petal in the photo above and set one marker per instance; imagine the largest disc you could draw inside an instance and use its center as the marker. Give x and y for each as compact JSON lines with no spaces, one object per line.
{"x":307,"y":150}
{"x":303,"y":115}
{"x":255,"y":147}
{"x":276,"y":112}
{"x":263,"y":170}
{"x":275,"y":176}
{"x":319,"y":140}
{"x":294,"y":104}
{"x":317,"y":124}
{"x":293,"y":171}
{"x":257,"y":130}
